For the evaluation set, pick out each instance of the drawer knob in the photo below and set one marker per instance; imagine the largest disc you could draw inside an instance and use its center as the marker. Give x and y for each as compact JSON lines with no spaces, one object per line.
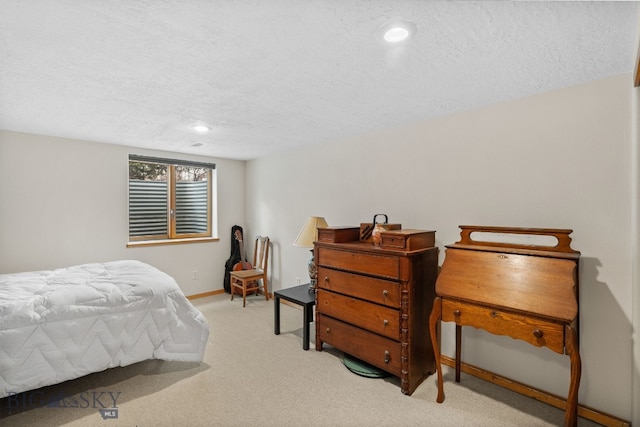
{"x":387,"y":357}
{"x":538,"y":333}
{"x":326,"y":279}
{"x":385,"y":293}
{"x":457,"y":313}
{"x":385,"y":322}
{"x":328,"y":330}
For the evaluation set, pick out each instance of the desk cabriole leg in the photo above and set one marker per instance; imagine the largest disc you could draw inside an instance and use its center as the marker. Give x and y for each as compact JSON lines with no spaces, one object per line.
{"x":434,"y":318}
{"x":571,"y":414}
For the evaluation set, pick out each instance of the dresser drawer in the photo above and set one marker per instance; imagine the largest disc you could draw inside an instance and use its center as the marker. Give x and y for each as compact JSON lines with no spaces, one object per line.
{"x":380,"y":291}
{"x":360,"y":262}
{"x":533,"y":330}
{"x":375,"y":318}
{"x":374,"y":349}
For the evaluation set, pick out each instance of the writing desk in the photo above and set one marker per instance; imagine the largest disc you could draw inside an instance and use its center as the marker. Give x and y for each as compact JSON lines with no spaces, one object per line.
{"x":527,"y":292}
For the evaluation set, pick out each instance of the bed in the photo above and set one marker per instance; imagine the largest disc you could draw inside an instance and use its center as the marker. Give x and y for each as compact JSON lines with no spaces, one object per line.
{"x":61,"y":324}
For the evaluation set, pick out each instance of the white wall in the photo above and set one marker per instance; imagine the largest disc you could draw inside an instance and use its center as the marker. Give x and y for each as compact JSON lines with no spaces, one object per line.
{"x":557,"y":160}
{"x":64,"y":202}
{"x":635,"y":298}
{"x":635,"y":256}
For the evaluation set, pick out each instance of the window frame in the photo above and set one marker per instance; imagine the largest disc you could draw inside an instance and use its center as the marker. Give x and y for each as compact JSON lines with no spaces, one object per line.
{"x":172,"y":235}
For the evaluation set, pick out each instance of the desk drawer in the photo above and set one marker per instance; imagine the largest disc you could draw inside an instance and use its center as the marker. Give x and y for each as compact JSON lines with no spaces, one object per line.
{"x":379,"y":291}
{"x":360,"y":262}
{"x":374,"y":349}
{"x":535,"y":331}
{"x":375,"y":318}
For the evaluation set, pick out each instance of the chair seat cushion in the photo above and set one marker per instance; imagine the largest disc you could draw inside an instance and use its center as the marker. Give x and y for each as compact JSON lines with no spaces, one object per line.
{"x":244,"y":274}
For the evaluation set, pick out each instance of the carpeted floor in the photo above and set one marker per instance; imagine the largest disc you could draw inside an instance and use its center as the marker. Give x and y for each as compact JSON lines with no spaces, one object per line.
{"x":251,"y":377}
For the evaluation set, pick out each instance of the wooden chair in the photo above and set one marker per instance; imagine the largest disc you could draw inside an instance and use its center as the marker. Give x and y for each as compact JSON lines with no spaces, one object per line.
{"x":252,"y":280}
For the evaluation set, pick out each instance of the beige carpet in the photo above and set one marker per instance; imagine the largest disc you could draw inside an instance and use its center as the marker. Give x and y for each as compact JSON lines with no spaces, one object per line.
{"x":251,"y":377}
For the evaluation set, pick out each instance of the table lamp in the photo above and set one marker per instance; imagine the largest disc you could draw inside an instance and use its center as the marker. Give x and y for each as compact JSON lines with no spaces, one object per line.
{"x":305,"y":239}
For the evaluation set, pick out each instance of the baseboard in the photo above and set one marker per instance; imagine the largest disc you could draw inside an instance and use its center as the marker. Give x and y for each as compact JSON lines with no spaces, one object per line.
{"x":553,"y":400}
{"x":217,"y":292}
{"x":205,"y":294}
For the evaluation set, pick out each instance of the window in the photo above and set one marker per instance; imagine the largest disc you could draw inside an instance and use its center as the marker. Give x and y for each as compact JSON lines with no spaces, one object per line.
{"x":169,"y":199}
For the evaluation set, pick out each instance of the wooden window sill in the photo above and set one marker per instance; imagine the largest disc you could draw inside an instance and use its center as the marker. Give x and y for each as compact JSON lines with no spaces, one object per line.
{"x":140,"y":243}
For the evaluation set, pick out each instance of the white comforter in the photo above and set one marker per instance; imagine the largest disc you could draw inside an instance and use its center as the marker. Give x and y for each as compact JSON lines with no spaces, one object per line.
{"x":62,"y":324}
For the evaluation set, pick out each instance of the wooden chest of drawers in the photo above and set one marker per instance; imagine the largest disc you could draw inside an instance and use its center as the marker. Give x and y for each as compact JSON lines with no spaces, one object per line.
{"x":374,"y":303}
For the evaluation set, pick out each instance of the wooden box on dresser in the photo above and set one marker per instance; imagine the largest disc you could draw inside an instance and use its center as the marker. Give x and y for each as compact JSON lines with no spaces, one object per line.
{"x":373,"y":303}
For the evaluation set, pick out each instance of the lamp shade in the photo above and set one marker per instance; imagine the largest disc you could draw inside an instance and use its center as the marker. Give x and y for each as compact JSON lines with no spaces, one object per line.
{"x":309,"y":232}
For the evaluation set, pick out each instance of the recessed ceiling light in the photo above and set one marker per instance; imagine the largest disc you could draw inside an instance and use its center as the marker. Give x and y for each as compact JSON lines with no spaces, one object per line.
{"x":201,"y":128}
{"x":398,"y":31}
{"x":396,"y":34}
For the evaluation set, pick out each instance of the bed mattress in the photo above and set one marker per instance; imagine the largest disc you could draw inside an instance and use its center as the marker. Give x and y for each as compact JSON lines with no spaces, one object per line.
{"x":61,"y":324}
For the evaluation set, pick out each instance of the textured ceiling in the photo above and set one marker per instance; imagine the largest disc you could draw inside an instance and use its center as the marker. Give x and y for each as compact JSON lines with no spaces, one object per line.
{"x":270,"y":75}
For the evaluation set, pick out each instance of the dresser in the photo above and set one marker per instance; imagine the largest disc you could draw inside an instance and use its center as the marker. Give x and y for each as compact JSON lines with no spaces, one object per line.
{"x":373,"y":302}
{"x":525,"y":290}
